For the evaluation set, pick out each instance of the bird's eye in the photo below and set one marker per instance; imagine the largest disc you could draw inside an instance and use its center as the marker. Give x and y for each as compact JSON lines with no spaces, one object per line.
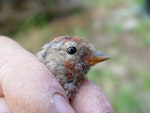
{"x":72,"y":50}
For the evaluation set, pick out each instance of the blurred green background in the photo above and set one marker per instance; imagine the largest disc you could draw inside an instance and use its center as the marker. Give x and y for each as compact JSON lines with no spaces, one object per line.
{"x":119,"y":28}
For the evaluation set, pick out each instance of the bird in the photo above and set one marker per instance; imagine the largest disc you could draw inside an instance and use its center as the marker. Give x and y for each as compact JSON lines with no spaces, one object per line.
{"x":69,"y":58}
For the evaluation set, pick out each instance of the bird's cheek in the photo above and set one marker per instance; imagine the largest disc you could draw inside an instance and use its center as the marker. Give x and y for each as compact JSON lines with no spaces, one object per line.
{"x":69,"y":68}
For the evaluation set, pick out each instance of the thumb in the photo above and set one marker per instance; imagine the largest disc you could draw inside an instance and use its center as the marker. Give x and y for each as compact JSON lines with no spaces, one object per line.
{"x":27,"y":85}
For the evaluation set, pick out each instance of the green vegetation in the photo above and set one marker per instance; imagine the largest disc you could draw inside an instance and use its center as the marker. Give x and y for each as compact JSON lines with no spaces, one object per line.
{"x":140,"y":2}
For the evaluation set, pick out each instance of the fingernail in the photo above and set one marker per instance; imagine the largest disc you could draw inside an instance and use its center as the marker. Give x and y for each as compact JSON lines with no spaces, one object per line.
{"x":62,"y":105}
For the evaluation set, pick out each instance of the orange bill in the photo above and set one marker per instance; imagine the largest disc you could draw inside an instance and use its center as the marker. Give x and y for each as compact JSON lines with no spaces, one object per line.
{"x":96,"y":57}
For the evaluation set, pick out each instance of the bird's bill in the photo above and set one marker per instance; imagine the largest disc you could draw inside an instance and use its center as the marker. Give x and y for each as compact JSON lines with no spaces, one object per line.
{"x":96,"y":57}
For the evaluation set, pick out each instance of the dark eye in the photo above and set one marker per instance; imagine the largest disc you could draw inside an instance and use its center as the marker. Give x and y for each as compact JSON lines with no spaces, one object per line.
{"x":72,"y":50}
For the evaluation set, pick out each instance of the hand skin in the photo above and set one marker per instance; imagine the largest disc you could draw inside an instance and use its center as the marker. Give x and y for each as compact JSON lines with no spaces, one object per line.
{"x":27,"y":86}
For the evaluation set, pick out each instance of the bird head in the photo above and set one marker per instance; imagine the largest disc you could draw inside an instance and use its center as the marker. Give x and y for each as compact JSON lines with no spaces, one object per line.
{"x":71,"y":54}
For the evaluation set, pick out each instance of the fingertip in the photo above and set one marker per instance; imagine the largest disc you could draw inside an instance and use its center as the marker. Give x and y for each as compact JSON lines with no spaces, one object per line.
{"x":4,"y":106}
{"x":4,"y":41}
{"x":62,"y":105}
{"x":91,"y":99}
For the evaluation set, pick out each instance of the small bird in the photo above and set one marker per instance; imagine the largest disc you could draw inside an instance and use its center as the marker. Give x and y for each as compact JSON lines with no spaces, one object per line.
{"x":69,"y":58}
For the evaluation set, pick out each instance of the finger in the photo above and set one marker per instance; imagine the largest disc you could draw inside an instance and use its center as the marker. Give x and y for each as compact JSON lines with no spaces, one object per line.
{"x":28,"y":86}
{"x":4,"y":106}
{"x":91,"y":99}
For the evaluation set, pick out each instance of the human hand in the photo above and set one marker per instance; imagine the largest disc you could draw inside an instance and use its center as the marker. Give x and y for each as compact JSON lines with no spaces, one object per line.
{"x":27,"y":86}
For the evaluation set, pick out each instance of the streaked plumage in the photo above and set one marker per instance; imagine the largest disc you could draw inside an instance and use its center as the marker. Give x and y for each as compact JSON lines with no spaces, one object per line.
{"x":69,"y":58}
